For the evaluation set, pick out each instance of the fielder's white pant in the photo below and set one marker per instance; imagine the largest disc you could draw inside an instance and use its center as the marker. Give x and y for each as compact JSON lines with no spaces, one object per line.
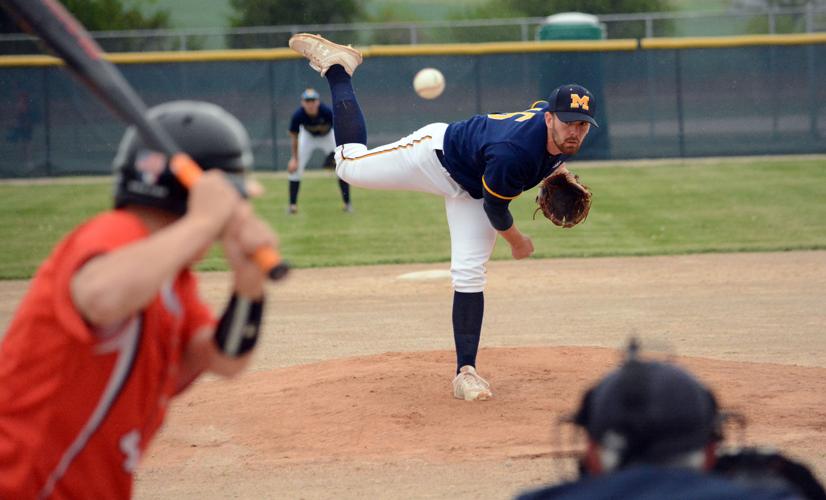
{"x":307,"y":143}
{"x":411,"y":164}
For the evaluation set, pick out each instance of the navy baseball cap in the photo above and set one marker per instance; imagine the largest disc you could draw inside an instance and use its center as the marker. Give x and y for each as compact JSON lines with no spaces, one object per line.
{"x":657,"y":410}
{"x":309,"y":95}
{"x":572,"y":103}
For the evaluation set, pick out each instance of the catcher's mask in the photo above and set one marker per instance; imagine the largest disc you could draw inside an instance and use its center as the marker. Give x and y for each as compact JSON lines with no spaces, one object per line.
{"x":209,"y":134}
{"x":649,"y":411}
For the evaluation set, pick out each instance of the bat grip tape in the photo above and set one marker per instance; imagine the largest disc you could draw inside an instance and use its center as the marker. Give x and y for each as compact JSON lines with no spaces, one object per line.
{"x":239,"y":326}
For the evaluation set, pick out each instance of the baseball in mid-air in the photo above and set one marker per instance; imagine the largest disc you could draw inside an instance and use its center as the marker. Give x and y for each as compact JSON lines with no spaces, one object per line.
{"x":429,"y":83}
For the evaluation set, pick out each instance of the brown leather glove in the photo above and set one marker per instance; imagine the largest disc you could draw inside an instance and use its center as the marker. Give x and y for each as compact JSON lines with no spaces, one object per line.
{"x":563,"y":199}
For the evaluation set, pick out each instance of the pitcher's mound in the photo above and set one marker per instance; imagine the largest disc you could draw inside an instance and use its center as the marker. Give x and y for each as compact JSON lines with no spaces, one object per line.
{"x":400,"y":405}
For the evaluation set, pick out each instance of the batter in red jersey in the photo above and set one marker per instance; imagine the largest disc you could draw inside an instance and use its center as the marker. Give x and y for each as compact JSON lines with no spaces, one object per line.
{"x":112,"y":326}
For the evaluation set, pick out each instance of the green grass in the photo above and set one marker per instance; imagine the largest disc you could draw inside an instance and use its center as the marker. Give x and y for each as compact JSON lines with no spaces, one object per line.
{"x":671,"y":208}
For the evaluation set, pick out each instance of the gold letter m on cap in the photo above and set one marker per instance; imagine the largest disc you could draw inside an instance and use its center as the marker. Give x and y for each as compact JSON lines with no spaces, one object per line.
{"x":579,"y":102}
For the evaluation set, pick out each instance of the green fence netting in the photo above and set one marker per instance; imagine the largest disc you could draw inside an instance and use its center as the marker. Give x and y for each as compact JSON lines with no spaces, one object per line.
{"x":652,"y":103}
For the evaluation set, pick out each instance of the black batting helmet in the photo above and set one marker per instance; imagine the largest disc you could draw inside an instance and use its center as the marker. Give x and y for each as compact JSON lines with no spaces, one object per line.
{"x":209,"y":134}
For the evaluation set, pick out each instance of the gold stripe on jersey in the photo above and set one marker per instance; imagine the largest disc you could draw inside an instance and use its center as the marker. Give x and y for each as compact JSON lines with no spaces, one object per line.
{"x":491,"y":191}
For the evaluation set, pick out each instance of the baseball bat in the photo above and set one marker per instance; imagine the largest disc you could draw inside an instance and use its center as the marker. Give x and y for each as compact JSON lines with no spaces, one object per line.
{"x":68,"y":39}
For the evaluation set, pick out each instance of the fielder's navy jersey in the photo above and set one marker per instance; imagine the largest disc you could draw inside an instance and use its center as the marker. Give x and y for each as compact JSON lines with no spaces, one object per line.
{"x":319,"y":124}
{"x":502,"y":154}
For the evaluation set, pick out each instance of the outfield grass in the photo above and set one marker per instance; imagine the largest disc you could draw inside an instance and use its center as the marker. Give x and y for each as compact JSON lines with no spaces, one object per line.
{"x":671,"y":208}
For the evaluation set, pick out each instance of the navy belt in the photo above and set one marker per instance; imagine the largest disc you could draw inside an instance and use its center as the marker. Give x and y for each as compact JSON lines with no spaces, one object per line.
{"x":441,"y":155}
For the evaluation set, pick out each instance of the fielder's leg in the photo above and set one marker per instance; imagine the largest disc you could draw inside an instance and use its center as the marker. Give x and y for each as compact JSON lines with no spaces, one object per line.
{"x":294,"y":187}
{"x":305,"y":150}
{"x":345,"y":195}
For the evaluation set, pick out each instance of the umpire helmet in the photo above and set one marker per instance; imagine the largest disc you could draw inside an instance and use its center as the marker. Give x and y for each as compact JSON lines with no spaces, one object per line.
{"x":209,"y":134}
{"x":649,"y":411}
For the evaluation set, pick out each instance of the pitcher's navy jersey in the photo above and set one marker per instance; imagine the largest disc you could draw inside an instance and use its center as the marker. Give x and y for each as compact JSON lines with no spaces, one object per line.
{"x":502,"y":154}
{"x":320,"y":124}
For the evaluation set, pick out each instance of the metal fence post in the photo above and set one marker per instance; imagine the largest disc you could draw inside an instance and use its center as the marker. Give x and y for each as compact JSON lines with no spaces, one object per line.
{"x":775,"y":86}
{"x":811,"y":60}
{"x":810,"y":17}
{"x":414,"y":39}
{"x":477,"y":76}
{"x":652,"y":116}
{"x":649,"y":27}
{"x":524,"y":26}
{"x":678,"y":89}
{"x":273,"y":118}
{"x":772,"y":20}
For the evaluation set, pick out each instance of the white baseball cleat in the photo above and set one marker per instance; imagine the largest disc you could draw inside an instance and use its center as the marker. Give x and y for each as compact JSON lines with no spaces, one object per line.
{"x":323,"y":53}
{"x":468,"y":385}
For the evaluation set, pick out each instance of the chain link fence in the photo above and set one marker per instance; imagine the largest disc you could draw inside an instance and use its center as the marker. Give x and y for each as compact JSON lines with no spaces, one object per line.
{"x":655,"y":100}
{"x":808,"y":19}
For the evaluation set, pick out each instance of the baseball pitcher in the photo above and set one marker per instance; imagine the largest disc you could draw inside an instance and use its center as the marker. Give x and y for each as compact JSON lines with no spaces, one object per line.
{"x":478,"y":165}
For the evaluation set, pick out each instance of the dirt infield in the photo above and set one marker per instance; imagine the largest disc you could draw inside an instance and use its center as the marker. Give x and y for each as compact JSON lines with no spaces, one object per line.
{"x":349,"y":396}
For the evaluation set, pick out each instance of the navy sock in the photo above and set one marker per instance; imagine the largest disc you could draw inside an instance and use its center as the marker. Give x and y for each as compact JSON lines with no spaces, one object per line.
{"x":348,"y":121}
{"x":468,"y":309}
{"x":294,"y":185}
{"x":345,"y":191}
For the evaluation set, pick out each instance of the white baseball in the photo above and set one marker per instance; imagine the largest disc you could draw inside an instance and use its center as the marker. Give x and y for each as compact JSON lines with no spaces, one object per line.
{"x":429,"y":83}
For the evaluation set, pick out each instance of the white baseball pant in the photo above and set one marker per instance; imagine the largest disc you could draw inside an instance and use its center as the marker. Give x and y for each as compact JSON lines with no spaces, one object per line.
{"x":411,"y":164}
{"x":307,"y":143}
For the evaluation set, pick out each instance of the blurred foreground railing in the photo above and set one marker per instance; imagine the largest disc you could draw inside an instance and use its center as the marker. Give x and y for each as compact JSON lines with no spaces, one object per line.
{"x":808,"y":19}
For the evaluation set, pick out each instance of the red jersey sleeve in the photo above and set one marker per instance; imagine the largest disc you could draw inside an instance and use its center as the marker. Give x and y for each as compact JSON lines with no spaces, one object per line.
{"x":100,"y":235}
{"x":197,"y":314}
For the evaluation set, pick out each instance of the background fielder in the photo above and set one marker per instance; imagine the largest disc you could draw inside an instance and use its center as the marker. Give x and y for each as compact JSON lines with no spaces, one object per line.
{"x":311,"y":128}
{"x":478,"y":165}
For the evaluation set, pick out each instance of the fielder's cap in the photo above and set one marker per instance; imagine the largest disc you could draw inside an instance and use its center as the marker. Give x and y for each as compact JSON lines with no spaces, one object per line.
{"x":309,"y":95}
{"x":572,"y":103}
{"x":650,"y":411}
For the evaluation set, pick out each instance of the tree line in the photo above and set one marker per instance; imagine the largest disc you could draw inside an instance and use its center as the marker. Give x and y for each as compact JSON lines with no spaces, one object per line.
{"x":112,"y":15}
